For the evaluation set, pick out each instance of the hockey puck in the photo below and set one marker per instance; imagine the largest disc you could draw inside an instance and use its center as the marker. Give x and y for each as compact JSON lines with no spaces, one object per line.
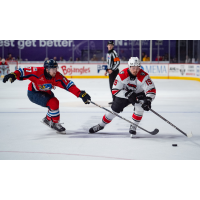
{"x":174,"y":145}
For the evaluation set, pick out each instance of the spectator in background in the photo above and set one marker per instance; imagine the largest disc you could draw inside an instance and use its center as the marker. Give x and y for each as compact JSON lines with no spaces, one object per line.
{"x":146,"y":58}
{"x":70,"y":59}
{"x":166,"y":57}
{"x":46,"y":59}
{"x":188,"y":60}
{"x":123,"y":58}
{"x":143,"y":55}
{"x":174,"y":60}
{"x":26,"y":59}
{"x":102,"y":59}
{"x":55,"y":58}
{"x":77,"y":59}
{"x":94,"y":58}
{"x":61,"y":58}
{"x":19,"y":59}
{"x":9,"y":57}
{"x":197,"y":61}
{"x":0,"y":59}
{"x":159,"y":58}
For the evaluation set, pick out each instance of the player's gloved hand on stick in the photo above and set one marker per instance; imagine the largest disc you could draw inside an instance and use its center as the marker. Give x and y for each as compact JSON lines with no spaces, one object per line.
{"x":85,"y":97}
{"x":131,"y":96}
{"x":147,"y":104}
{"x":12,"y":76}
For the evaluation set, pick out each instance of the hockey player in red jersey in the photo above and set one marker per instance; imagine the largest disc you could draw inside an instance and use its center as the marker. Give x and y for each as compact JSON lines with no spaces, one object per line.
{"x":132,"y":84}
{"x":4,"y":67}
{"x":43,"y":80}
{"x":3,"y":62}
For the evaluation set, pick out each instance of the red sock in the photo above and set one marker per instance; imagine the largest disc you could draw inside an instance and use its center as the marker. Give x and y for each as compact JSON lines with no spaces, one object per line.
{"x":53,"y":112}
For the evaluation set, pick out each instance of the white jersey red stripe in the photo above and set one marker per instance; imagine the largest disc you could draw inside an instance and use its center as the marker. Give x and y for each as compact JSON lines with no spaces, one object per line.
{"x":141,"y":83}
{"x":137,"y":117}
{"x":105,"y":120}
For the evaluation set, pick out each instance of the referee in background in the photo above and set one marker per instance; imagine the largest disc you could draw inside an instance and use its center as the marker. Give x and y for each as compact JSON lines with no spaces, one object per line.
{"x":113,"y":65}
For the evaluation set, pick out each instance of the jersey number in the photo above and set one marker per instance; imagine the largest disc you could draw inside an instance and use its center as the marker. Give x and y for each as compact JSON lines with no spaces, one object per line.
{"x":115,"y":83}
{"x":148,"y":82}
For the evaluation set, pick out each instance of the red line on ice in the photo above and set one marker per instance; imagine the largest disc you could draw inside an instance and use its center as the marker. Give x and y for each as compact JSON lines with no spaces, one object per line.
{"x":63,"y":154}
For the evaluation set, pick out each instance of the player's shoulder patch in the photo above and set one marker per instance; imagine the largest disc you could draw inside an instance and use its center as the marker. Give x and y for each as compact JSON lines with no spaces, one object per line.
{"x":35,"y":69}
{"x":38,"y":70}
{"x":141,"y":75}
{"x":124,"y":74}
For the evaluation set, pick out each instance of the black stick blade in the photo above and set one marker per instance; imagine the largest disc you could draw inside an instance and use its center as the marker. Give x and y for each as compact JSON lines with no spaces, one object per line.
{"x":154,"y":132}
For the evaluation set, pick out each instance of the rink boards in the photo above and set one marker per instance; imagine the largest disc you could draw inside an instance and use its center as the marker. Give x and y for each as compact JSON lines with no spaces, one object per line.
{"x":97,"y":70}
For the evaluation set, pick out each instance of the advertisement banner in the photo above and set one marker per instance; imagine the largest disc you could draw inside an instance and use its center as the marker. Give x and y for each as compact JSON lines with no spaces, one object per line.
{"x":152,"y":69}
{"x":161,"y":71}
{"x":156,"y":69}
{"x":183,"y":70}
{"x":80,"y":70}
{"x":198,"y":71}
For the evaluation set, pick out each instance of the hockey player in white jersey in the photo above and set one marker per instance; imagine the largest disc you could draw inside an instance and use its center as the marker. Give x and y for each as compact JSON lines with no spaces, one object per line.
{"x":131,"y":86}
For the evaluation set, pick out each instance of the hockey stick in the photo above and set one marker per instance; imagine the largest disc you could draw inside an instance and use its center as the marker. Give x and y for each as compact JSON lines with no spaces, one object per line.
{"x":187,"y":135}
{"x":152,"y":133}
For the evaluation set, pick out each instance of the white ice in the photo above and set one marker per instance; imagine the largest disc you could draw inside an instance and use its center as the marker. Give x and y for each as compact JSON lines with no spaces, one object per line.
{"x":24,"y":137}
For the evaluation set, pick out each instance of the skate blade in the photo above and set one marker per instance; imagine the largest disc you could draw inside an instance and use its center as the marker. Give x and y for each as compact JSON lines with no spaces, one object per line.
{"x":90,"y":133}
{"x":132,"y":135}
{"x":189,"y":135}
{"x":46,"y":125}
{"x":62,"y":132}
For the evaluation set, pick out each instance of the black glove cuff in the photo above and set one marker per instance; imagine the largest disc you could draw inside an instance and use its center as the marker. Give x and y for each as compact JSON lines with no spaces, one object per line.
{"x":149,"y":99}
{"x":14,"y":74}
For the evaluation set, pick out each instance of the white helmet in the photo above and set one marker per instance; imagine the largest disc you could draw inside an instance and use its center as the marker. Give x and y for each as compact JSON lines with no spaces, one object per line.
{"x":134,"y":61}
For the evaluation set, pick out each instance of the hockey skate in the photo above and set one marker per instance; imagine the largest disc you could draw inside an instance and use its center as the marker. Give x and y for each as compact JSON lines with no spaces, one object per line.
{"x":46,"y":122}
{"x":96,"y":128}
{"x":58,"y":128}
{"x":132,"y":131}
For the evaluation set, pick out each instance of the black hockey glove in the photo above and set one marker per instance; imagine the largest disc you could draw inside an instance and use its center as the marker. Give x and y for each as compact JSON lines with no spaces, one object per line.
{"x":147,"y":104}
{"x":11,"y":76}
{"x":141,"y":96}
{"x":85,"y":97}
{"x":131,"y":96}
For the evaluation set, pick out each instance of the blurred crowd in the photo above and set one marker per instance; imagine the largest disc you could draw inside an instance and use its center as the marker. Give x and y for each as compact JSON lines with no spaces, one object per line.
{"x":11,"y":58}
{"x":145,"y":58}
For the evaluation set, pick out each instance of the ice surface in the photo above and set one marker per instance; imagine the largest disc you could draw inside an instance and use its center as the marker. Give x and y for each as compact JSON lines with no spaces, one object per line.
{"x":23,"y":136}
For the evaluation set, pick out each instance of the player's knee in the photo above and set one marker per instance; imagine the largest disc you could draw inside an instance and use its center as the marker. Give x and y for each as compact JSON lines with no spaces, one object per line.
{"x":139,"y":112}
{"x":119,"y":104}
{"x":116,"y":108}
{"x":53,"y":103}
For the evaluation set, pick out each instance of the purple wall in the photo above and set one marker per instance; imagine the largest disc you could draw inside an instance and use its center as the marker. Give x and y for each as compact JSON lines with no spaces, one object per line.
{"x":36,"y":50}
